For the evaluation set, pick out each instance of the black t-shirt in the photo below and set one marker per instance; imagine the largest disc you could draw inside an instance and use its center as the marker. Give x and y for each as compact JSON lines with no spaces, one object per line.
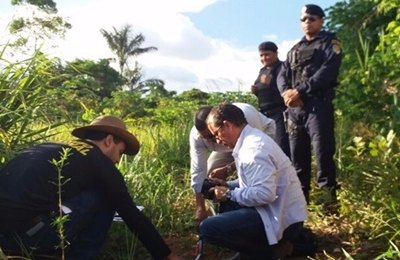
{"x":28,"y":187}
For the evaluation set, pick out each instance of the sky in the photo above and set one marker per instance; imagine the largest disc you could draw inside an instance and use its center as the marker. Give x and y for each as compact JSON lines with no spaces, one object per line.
{"x":205,"y":44}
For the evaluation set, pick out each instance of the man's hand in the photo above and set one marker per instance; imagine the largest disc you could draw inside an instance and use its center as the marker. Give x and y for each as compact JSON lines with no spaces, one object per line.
{"x":292,"y":98}
{"x":219,"y":173}
{"x":296,"y":103}
{"x":220,"y":192}
{"x":219,"y":182}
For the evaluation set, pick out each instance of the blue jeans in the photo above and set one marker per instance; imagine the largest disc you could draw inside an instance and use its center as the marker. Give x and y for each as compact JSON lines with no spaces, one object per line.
{"x":240,"y":230}
{"x":85,"y":230}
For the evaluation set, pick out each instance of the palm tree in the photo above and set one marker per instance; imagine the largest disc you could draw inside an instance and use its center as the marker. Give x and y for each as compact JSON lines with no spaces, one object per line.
{"x":125,"y":45}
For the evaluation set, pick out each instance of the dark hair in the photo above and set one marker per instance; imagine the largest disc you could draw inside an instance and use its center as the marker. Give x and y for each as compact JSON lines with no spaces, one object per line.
{"x":201,"y":116}
{"x":267,"y":46}
{"x":226,"y":111}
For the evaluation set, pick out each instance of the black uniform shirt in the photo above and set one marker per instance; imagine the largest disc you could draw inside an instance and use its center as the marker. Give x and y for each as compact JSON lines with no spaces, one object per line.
{"x":312,"y":67}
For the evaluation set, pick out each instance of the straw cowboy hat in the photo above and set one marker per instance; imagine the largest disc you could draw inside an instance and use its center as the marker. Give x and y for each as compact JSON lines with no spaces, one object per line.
{"x":113,"y":126}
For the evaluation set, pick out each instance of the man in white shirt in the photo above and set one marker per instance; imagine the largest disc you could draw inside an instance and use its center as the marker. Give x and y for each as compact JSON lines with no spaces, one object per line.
{"x":267,"y":192}
{"x":219,"y":162}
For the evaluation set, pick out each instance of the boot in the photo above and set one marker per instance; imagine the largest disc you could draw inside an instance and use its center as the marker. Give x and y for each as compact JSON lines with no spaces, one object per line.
{"x":329,"y":201}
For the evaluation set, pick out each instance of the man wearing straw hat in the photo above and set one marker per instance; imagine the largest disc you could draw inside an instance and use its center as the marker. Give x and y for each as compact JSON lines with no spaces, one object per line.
{"x":92,"y":190}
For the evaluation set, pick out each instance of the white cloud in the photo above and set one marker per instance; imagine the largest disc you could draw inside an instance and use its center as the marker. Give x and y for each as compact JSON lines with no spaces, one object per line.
{"x":186,"y":57}
{"x":284,"y":47}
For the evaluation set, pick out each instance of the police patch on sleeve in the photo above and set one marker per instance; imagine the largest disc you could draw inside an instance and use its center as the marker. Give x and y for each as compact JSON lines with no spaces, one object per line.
{"x":336,"y":46}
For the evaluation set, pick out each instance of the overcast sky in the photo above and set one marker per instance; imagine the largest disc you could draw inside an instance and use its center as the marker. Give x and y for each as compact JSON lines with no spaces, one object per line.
{"x":206,"y":44}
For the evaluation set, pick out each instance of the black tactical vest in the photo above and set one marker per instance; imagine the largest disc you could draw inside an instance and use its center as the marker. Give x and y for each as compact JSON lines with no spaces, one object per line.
{"x":268,"y":95}
{"x":305,"y":58}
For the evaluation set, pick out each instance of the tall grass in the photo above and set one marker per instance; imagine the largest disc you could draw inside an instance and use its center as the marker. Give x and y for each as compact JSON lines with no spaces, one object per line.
{"x":158,"y":178}
{"x":371,"y":191}
{"x":24,"y":105}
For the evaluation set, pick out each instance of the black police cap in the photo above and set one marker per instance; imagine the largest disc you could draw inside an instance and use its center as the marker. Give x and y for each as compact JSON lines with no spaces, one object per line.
{"x":313,"y":9}
{"x":267,"y":46}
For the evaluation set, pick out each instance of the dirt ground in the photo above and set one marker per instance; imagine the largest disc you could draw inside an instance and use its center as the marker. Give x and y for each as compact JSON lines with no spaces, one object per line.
{"x":336,"y":238}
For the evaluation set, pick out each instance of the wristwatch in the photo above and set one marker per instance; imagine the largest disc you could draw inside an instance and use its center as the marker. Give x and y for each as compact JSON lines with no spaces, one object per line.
{"x":228,"y":194}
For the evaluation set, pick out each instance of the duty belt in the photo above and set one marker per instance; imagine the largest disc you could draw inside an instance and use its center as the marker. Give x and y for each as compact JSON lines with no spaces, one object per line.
{"x":272,"y":111}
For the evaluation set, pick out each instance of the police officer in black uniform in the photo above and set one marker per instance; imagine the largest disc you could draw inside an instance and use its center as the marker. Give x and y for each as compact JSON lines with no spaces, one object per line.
{"x":307,"y":83}
{"x":270,"y":101}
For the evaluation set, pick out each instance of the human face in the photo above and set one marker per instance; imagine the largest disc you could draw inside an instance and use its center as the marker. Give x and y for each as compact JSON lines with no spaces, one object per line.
{"x":206,"y":134}
{"x":268,"y":58}
{"x":215,"y":133}
{"x":116,"y":150}
{"x":222,"y":133}
{"x":311,"y":25}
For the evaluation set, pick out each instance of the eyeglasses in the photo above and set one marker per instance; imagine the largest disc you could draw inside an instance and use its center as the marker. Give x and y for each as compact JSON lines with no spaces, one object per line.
{"x":215,"y":133}
{"x":310,"y":17}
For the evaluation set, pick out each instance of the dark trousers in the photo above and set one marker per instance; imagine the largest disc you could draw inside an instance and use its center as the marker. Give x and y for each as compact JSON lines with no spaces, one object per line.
{"x":241,"y":229}
{"x":281,"y":135}
{"x":312,"y":127}
{"x":85,"y":229}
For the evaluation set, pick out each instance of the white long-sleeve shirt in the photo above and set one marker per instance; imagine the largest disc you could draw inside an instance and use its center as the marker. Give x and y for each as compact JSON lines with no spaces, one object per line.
{"x":267,"y":181}
{"x":201,"y":147}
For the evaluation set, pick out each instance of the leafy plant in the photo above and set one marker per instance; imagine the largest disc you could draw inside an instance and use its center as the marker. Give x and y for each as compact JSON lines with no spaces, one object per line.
{"x":24,"y":106}
{"x":62,"y":218}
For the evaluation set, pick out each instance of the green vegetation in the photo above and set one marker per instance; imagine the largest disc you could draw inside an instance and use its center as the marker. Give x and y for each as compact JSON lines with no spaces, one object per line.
{"x":42,"y":99}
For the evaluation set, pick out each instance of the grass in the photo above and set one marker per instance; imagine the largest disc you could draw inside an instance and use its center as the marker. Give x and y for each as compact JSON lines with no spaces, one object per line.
{"x":358,"y":233}
{"x":159,"y":179}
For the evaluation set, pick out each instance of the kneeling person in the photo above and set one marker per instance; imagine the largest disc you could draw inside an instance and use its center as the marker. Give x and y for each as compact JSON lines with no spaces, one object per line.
{"x":267,"y":192}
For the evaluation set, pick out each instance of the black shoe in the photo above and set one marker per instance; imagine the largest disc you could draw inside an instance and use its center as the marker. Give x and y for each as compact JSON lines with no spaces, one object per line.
{"x":329,"y":201}
{"x":283,"y":249}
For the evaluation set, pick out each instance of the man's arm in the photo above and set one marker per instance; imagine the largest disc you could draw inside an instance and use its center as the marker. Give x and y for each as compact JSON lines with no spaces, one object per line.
{"x":223,"y":172}
{"x":198,"y":170}
{"x":201,"y":212}
{"x":282,"y":81}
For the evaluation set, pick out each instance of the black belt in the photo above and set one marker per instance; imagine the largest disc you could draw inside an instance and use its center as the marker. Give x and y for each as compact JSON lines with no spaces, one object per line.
{"x":272,"y":111}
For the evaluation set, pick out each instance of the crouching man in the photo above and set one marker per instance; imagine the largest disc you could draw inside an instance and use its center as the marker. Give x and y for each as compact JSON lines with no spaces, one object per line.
{"x":266,"y":198}
{"x":85,"y":189}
